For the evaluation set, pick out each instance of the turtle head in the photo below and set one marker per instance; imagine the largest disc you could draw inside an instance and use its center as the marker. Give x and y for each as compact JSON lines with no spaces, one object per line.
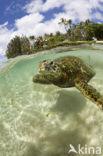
{"x":50,"y":69}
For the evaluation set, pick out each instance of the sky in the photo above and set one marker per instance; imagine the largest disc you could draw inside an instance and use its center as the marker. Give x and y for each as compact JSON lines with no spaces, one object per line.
{"x":37,"y":17}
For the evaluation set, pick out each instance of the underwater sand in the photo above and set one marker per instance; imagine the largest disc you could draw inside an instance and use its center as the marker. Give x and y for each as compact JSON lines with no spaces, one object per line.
{"x":42,"y":120}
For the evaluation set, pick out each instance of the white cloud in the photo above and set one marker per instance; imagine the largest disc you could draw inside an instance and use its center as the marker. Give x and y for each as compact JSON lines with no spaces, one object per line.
{"x":5,"y":36}
{"x":26,"y":25}
{"x":34,"y":6}
{"x":38,"y":5}
{"x":76,"y":9}
{"x":97,"y":15}
{"x":79,"y":9}
{"x":3,"y":25}
{"x":53,"y":4}
{"x":32,"y":24}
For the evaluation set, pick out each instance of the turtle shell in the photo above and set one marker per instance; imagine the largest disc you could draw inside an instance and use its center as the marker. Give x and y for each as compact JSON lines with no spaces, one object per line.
{"x":74,"y":69}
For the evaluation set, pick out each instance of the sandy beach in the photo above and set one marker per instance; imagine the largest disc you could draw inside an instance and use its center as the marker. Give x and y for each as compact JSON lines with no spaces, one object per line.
{"x":99,"y":42}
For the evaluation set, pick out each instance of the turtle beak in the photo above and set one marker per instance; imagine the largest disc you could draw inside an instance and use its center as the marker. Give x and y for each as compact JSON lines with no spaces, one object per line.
{"x":43,"y":65}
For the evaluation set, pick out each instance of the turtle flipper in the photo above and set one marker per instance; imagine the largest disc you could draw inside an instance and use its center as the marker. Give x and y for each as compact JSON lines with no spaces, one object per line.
{"x":40,"y":78}
{"x":91,"y":93}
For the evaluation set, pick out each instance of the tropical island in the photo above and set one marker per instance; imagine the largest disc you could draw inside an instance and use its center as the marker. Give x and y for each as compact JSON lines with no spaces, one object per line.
{"x":84,"y":32}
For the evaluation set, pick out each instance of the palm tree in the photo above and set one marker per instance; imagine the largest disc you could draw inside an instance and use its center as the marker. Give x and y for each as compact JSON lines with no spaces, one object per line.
{"x":57,"y":33}
{"x":87,"y":22}
{"x":62,"y":21}
{"x":80,"y":29}
{"x":51,"y":35}
{"x":70,"y":23}
{"x":84,"y":28}
{"x":40,"y":38}
{"x":65,"y":23}
{"x":88,"y":30}
{"x":32,"y":37}
{"x":46,"y":36}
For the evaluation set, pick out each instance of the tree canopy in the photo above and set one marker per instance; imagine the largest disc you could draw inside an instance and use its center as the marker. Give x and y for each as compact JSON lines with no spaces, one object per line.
{"x":82,"y":31}
{"x":14,"y":47}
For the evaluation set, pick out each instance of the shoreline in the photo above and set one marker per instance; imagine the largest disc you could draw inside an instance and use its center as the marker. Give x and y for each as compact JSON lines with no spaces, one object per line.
{"x":99,"y":42}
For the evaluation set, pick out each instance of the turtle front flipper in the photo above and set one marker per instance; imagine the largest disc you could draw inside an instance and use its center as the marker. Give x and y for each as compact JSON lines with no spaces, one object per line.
{"x":91,"y":93}
{"x":40,"y":78}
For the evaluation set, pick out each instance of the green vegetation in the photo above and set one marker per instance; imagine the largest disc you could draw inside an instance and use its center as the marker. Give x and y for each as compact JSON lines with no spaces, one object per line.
{"x":18,"y":46}
{"x":25,"y":45}
{"x":81,"y":33}
{"x":14,"y":47}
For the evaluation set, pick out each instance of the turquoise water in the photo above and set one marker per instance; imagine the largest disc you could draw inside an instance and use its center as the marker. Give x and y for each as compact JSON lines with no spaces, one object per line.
{"x":42,"y":120}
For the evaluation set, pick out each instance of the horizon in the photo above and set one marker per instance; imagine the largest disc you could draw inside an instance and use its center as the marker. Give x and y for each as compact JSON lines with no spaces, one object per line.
{"x":37,"y":17}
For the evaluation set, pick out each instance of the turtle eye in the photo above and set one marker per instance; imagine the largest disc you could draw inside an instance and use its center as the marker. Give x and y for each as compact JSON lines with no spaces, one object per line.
{"x":51,"y":63}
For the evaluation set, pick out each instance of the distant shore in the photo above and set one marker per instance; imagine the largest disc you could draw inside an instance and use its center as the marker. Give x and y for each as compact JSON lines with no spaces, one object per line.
{"x":99,"y":42}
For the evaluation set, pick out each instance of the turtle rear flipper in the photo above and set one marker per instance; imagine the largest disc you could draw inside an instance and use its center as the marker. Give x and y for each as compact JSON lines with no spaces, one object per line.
{"x":91,"y":93}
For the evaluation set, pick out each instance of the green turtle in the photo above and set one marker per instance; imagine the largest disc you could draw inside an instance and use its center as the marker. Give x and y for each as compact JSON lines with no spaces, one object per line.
{"x":69,"y":71}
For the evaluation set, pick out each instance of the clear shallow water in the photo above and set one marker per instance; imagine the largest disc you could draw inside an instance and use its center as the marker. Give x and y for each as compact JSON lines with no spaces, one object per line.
{"x":3,"y":59}
{"x":42,"y":120}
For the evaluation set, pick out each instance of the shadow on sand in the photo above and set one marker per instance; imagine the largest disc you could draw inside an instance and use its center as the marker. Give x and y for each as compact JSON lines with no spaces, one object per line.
{"x":69,"y":102}
{"x":57,"y":139}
